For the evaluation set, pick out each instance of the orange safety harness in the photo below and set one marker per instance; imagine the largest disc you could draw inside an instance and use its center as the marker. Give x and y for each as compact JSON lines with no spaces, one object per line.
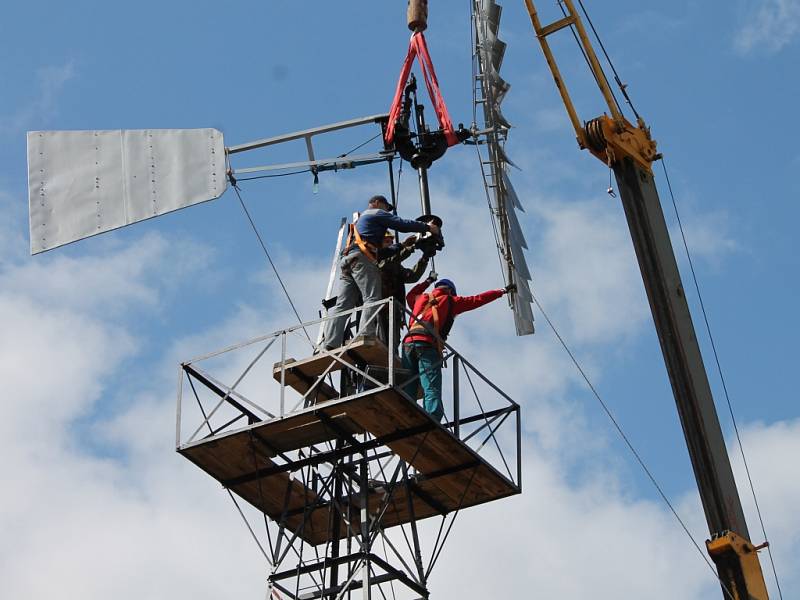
{"x":432,"y":302}
{"x":367,"y":249}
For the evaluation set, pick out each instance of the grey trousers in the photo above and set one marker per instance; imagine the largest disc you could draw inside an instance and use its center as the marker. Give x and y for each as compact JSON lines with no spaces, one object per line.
{"x":359,"y":278}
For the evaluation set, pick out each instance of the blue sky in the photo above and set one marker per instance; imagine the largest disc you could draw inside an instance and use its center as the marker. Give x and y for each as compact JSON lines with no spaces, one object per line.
{"x":93,"y":332}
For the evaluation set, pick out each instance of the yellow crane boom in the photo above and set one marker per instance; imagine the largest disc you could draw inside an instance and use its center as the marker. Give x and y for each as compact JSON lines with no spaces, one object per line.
{"x":630,"y":151}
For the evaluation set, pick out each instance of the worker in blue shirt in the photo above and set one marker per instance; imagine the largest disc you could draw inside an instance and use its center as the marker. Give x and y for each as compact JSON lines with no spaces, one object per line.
{"x":359,"y":273}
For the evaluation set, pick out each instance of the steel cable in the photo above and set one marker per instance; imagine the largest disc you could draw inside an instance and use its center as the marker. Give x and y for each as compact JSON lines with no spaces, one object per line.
{"x":583,"y":52}
{"x":610,"y":63}
{"x":361,"y":145}
{"x":269,"y":258}
{"x":630,"y":445}
{"x":721,"y":375}
{"x":235,"y":503}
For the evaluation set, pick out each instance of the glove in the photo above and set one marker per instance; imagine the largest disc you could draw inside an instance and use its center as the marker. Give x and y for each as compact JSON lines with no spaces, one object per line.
{"x":511,"y":287}
{"x":410,"y":241}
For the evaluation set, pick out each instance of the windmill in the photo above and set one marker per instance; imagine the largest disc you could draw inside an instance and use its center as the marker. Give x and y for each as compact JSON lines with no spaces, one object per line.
{"x":331,"y":448}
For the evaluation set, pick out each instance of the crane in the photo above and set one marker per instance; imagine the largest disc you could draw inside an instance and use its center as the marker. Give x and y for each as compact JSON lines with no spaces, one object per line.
{"x":629,"y":150}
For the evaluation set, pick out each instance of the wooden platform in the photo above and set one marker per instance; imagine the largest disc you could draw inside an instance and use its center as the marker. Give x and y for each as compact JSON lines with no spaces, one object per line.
{"x":302,"y":374}
{"x":450,"y":474}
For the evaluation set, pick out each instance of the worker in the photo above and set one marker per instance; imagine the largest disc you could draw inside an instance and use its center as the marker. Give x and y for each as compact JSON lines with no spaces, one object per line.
{"x":433,"y":316}
{"x":360,"y":276}
{"x":395,"y":277}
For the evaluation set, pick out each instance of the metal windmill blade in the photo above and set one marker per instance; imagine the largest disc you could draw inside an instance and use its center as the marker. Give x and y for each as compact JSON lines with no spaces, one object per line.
{"x":490,"y":90}
{"x":83,"y":183}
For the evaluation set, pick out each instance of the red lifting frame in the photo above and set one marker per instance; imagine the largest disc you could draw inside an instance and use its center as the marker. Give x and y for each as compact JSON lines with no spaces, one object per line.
{"x":418,"y":47}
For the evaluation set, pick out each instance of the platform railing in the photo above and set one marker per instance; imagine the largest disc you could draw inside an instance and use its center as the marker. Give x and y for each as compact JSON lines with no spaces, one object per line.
{"x":477,"y":411}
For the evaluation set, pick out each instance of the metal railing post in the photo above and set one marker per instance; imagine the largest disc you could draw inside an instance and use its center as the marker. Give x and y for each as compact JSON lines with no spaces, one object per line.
{"x":283,"y":370}
{"x":456,"y":399}
{"x":519,"y":447}
{"x":178,"y":408}
{"x":390,"y":340}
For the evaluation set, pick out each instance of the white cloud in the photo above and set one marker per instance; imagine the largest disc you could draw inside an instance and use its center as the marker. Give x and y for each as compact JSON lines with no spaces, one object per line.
{"x":135,"y":520}
{"x":13,"y":245}
{"x":771,"y":451}
{"x":571,"y":541}
{"x":132,"y":522}
{"x":588,"y":275}
{"x":708,"y":237}
{"x":51,"y":81}
{"x":770,"y":26}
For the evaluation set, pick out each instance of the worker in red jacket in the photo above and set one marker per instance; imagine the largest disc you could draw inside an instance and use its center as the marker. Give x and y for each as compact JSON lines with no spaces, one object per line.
{"x":422,"y":351}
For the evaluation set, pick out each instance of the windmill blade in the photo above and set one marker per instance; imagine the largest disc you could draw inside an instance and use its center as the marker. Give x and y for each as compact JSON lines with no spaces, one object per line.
{"x":500,"y":88}
{"x":524,"y":292}
{"x":523,"y":316}
{"x":512,"y":193}
{"x":491,"y":48}
{"x":489,"y":54}
{"x":82,"y":183}
{"x":500,"y":119}
{"x":514,"y":229}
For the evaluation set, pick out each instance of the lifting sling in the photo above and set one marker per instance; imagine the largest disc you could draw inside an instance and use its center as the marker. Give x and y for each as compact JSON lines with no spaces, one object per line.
{"x":418,"y":47}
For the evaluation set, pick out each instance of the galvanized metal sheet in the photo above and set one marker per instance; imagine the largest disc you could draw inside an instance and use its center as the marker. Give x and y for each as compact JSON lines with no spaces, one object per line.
{"x":512,"y":193}
{"x":514,"y":226}
{"x":494,"y":89}
{"x":520,"y":265}
{"x":523,"y":317}
{"x":492,"y":11}
{"x":500,"y":88}
{"x":504,"y":157}
{"x":524,"y":290}
{"x":81,"y":183}
{"x":499,"y":119}
{"x":492,"y":48}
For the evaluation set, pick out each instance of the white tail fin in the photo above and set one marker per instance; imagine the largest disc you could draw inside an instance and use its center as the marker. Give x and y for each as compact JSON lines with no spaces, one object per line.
{"x":81,"y":183}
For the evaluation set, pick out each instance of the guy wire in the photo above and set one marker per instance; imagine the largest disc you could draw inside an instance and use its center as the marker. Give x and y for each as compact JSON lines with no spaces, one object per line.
{"x":630,"y":445}
{"x":269,"y":258}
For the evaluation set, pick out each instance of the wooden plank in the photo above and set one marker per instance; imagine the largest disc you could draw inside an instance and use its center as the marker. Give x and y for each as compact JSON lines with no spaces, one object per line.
{"x":270,"y":497}
{"x":450,"y":475}
{"x":238,"y":455}
{"x":288,"y":433}
{"x":430,"y":452}
{"x":310,"y":433}
{"x":369,"y":351}
{"x":300,"y":383}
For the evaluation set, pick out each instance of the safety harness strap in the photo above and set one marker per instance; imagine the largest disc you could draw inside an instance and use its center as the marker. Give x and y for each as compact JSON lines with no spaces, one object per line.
{"x":416,"y":321}
{"x":418,"y":47}
{"x":367,"y":249}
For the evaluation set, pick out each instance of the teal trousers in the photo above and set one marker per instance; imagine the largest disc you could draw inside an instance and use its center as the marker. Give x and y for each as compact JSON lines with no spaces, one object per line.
{"x":424,"y":360}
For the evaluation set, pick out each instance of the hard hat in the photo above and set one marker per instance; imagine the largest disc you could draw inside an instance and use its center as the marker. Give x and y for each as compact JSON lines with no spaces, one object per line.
{"x":388,"y":234}
{"x":446,"y":283}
